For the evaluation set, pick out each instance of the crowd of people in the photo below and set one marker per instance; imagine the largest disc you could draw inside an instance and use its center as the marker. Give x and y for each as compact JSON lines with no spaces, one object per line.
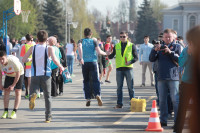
{"x":169,"y":61}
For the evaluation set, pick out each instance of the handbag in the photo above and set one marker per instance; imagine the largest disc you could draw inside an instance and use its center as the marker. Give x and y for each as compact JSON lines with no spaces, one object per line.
{"x":66,"y":76}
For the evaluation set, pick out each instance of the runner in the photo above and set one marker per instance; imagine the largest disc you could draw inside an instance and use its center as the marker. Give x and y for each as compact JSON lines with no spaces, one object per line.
{"x":24,"y":50}
{"x":41,"y":71}
{"x":88,"y":58}
{"x":108,"y":61}
{"x":14,"y":71}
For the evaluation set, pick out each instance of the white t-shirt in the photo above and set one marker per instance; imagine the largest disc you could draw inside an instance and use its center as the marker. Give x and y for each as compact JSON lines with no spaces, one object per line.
{"x":70,"y":49}
{"x":12,"y":67}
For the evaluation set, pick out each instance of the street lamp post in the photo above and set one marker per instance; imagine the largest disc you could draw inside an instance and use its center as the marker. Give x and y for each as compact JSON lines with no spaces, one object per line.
{"x":69,"y":16}
{"x":74,"y":24}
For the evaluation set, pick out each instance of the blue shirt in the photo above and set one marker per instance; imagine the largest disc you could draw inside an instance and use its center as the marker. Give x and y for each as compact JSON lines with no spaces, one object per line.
{"x":185,"y":61}
{"x":89,"y":52}
{"x":144,"y":52}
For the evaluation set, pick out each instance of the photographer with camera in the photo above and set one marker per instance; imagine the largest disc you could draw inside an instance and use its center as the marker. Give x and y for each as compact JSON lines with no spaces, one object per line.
{"x":168,"y":77}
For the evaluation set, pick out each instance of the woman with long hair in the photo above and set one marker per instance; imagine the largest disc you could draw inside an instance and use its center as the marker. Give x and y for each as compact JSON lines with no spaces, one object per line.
{"x":195,"y":107}
{"x":71,"y":55}
{"x":189,"y":88}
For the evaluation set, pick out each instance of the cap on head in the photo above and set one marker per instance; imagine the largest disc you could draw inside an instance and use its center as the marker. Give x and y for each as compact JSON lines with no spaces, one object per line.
{"x":23,"y":38}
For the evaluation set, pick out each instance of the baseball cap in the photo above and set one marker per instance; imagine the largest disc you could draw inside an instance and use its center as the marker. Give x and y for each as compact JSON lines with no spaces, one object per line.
{"x":23,"y":38}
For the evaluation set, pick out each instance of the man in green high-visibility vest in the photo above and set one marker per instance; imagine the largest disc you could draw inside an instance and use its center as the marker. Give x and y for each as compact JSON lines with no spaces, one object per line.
{"x":126,"y":55}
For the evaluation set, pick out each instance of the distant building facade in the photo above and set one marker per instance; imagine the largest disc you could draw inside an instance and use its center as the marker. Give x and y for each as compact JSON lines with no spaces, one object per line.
{"x":182,"y":17}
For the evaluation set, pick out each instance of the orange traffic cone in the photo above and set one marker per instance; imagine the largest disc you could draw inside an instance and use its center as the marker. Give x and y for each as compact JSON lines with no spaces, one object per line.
{"x":154,"y":121}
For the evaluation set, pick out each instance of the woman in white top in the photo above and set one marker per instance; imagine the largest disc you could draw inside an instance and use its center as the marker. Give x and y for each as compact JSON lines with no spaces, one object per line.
{"x":71,"y":54}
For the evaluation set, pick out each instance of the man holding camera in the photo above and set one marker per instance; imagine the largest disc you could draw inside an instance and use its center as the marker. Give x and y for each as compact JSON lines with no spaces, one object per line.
{"x":168,"y":77}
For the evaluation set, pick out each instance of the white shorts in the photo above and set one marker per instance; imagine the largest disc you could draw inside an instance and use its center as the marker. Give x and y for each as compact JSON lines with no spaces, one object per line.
{"x":28,"y":73}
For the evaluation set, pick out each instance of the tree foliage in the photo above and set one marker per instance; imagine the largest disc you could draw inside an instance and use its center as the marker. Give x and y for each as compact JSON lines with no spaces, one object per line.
{"x":157,"y":6}
{"x":16,"y":28}
{"x":132,"y":11}
{"x":122,"y":12}
{"x":54,"y":18}
{"x":39,"y":12}
{"x":146,"y":23}
{"x":83,"y":17}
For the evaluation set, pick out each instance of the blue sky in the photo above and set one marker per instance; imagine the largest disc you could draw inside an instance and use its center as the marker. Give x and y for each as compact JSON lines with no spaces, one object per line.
{"x":103,"y":5}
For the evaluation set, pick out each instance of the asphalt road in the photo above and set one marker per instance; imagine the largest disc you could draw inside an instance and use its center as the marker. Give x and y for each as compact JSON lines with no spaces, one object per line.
{"x":71,"y":115}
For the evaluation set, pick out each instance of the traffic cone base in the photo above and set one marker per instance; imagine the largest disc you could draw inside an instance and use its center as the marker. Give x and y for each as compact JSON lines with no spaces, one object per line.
{"x":154,"y":127}
{"x":154,"y":121}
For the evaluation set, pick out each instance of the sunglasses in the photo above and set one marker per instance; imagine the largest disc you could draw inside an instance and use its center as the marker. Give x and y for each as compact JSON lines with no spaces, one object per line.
{"x":122,"y":36}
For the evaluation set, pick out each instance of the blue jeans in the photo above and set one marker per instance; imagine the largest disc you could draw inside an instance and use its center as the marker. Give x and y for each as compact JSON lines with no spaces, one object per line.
{"x":163,"y":87}
{"x":0,"y":92}
{"x":128,"y":74}
{"x":70,"y":63}
{"x":91,"y":68}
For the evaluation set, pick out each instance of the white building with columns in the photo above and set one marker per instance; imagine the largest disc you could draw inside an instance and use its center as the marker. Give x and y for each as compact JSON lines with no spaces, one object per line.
{"x":182,"y":17}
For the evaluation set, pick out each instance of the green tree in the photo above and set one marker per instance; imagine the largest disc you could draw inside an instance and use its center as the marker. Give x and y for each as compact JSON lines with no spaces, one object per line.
{"x":39,"y":12}
{"x":157,"y":6}
{"x":146,"y":23}
{"x":83,"y":17}
{"x":53,"y":18}
{"x":122,"y":12}
{"x":132,"y":11}
{"x":16,"y":28}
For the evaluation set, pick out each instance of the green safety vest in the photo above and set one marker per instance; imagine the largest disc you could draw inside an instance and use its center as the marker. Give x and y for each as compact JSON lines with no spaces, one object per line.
{"x":120,"y":60}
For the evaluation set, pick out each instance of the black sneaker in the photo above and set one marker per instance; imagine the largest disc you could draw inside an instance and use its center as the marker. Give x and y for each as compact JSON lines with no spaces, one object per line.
{"x":163,"y":124}
{"x":108,"y":81}
{"x":118,"y":106}
{"x":88,"y":103}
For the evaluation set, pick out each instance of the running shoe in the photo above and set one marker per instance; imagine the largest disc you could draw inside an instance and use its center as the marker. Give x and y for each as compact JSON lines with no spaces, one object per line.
{"x":41,"y":93}
{"x":13,"y":115}
{"x":38,"y":95}
{"x":27,"y":96}
{"x":48,"y":120}
{"x":108,"y":81}
{"x":5,"y":115}
{"x":118,"y":106}
{"x":32,"y":101}
{"x":100,"y":103}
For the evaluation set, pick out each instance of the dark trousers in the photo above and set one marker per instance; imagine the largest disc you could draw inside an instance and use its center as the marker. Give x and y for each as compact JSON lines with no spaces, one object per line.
{"x":156,"y":86}
{"x":184,"y":98}
{"x":91,"y":69}
{"x":53,"y":82}
{"x":59,"y":82}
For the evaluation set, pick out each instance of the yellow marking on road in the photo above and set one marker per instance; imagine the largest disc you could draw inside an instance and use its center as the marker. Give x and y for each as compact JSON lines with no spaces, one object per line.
{"x":123,"y":118}
{"x":150,"y":98}
{"x":130,"y":113}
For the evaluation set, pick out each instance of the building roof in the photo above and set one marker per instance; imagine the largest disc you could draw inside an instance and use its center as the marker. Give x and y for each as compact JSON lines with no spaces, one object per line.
{"x":181,"y":5}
